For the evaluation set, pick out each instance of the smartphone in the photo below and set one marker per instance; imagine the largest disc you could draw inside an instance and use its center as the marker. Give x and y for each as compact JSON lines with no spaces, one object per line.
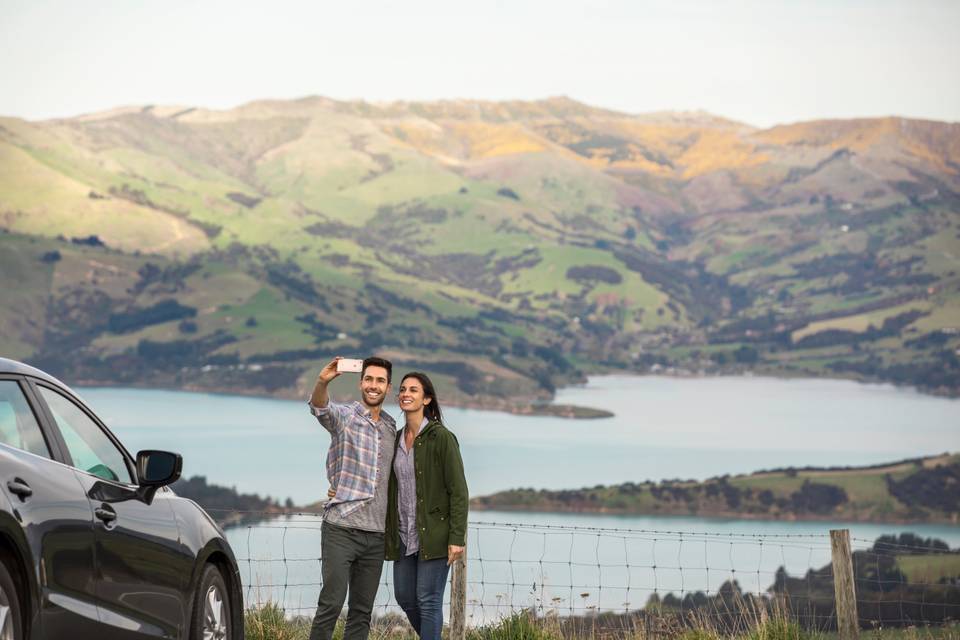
{"x":349,"y":365}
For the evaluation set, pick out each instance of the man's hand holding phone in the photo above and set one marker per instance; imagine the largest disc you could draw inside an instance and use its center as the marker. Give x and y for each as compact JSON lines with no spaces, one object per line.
{"x":330,"y":371}
{"x":349,"y":365}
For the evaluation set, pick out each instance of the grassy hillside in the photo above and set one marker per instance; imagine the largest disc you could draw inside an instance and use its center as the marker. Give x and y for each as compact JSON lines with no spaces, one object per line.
{"x":496,"y":242}
{"x":920,"y":490}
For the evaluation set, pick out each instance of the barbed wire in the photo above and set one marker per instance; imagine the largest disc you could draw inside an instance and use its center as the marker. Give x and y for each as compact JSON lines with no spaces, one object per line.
{"x":576,"y":571}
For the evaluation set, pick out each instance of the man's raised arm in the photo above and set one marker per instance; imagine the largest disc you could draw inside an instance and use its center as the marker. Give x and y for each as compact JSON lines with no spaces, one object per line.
{"x":327,"y":374}
{"x":330,"y":415}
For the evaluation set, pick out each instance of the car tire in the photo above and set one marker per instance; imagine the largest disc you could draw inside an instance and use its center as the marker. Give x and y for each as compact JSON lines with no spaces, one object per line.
{"x":11,"y":627}
{"x":211,"y":605}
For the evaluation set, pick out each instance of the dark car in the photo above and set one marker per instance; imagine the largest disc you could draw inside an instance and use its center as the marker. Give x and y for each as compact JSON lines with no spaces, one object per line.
{"x":93,"y":544}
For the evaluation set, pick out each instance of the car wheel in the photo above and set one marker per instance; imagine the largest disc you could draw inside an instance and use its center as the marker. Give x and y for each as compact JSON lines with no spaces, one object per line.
{"x":211,"y":618}
{"x":10,"y":625}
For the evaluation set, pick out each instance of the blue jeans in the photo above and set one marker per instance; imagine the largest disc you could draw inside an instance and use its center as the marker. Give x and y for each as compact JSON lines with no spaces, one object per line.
{"x":418,"y":586}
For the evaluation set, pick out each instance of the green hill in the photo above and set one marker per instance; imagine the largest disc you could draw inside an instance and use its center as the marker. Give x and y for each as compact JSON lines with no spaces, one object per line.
{"x":916,"y":490}
{"x":508,"y":247}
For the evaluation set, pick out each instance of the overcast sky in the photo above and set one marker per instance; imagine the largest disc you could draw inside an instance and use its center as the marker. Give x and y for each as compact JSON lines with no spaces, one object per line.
{"x":764,"y":62}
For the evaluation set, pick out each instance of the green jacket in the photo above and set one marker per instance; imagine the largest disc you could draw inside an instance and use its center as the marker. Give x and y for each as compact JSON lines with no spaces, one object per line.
{"x":442,"y":498}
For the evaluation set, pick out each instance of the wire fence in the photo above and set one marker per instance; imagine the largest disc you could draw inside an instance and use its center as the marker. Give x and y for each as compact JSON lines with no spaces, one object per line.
{"x":723,"y":580}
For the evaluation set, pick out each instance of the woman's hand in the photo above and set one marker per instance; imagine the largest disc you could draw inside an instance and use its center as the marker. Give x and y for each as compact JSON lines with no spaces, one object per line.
{"x":454,"y":553}
{"x":331,"y":493}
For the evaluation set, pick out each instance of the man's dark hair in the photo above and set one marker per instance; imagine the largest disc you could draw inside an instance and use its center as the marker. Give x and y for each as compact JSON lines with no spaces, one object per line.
{"x":377,"y":362}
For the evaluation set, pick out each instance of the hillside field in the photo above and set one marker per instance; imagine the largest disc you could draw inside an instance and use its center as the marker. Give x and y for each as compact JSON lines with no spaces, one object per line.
{"x":916,"y":490}
{"x":507,"y":247}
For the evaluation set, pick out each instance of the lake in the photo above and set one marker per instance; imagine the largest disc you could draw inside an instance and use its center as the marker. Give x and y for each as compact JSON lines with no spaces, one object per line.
{"x":663,"y":428}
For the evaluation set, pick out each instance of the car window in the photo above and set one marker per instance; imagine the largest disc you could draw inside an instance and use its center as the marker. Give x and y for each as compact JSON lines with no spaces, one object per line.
{"x":18,"y":426}
{"x":92,"y":451}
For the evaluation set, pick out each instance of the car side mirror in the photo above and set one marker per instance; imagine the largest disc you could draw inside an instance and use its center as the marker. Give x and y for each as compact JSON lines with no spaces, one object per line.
{"x":158,"y":468}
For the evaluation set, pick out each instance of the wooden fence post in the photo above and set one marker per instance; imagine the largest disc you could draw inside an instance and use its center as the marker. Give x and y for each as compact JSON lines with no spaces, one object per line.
{"x":458,"y":598}
{"x":848,"y":625}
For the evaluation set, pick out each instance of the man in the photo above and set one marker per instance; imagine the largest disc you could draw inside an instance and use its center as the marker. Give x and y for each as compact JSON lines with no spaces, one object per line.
{"x":362,"y":443}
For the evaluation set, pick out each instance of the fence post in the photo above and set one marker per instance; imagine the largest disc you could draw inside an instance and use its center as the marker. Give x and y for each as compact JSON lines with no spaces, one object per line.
{"x":458,"y":598}
{"x":848,"y":624}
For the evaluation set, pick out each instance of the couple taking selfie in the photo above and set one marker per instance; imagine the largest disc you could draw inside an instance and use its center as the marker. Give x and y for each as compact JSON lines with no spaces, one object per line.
{"x":395,"y":494}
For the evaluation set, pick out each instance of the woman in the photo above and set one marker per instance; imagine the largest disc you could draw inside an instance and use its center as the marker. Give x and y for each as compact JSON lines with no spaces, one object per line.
{"x":427,"y":507}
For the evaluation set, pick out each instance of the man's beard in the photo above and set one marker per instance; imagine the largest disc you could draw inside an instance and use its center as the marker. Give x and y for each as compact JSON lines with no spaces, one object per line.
{"x":379,"y":402}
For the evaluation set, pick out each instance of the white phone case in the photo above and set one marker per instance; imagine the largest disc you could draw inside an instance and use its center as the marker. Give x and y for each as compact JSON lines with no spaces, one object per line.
{"x":349,"y":365}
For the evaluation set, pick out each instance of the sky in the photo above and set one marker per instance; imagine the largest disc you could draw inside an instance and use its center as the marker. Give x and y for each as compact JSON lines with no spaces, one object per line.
{"x":763,"y":63}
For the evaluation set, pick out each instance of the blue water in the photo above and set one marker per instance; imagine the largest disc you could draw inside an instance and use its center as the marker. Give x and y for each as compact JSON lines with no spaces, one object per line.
{"x":663,"y":428}
{"x":571,"y":563}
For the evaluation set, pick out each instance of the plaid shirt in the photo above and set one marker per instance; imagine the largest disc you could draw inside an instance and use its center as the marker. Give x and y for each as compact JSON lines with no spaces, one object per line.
{"x":352,"y":457}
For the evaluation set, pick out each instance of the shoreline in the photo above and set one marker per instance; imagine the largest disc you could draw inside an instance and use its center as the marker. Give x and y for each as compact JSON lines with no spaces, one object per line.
{"x":520,"y":407}
{"x":917,"y":491}
{"x":316,"y":510}
{"x":718,"y":515}
{"x":538,"y":408}
{"x":772,"y":374}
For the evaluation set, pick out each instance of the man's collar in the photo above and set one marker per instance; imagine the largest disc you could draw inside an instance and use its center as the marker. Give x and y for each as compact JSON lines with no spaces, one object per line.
{"x":365,"y":411}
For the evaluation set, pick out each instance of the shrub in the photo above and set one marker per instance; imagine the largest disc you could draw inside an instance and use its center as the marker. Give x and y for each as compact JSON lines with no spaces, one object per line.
{"x":816,"y":497}
{"x":135,"y":319}
{"x":268,"y":622}
{"x":746,"y":355}
{"x":519,"y":626}
{"x":777,"y":628}
{"x":596,"y":273}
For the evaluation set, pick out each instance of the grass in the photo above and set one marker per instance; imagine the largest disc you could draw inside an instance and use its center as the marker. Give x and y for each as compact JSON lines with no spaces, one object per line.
{"x":22,"y":313}
{"x":866,"y":487}
{"x":867,"y":495}
{"x":929,"y":568}
{"x":516,"y":627}
{"x":729,"y":262}
{"x":269,"y":622}
{"x":310,"y":163}
{"x":858,"y":323}
{"x":50,"y":203}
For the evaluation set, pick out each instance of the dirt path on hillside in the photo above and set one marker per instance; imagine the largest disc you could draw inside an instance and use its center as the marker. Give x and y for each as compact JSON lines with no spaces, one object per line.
{"x":180,"y":233}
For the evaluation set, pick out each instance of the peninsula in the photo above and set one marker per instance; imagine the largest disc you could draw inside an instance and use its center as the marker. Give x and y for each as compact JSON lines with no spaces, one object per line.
{"x":913,"y":490}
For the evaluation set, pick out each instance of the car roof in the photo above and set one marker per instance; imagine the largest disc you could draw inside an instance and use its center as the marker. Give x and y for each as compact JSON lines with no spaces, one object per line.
{"x":12,"y":366}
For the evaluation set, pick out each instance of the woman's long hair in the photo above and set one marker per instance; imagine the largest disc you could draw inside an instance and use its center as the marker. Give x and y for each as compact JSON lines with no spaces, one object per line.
{"x":431,"y":411}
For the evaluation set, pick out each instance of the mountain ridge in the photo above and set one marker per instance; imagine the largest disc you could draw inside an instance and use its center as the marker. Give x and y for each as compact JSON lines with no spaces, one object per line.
{"x":486,"y":232}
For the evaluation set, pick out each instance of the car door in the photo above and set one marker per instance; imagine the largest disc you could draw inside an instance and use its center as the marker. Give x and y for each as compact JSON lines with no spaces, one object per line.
{"x":56,"y":518}
{"x":142,"y":568}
